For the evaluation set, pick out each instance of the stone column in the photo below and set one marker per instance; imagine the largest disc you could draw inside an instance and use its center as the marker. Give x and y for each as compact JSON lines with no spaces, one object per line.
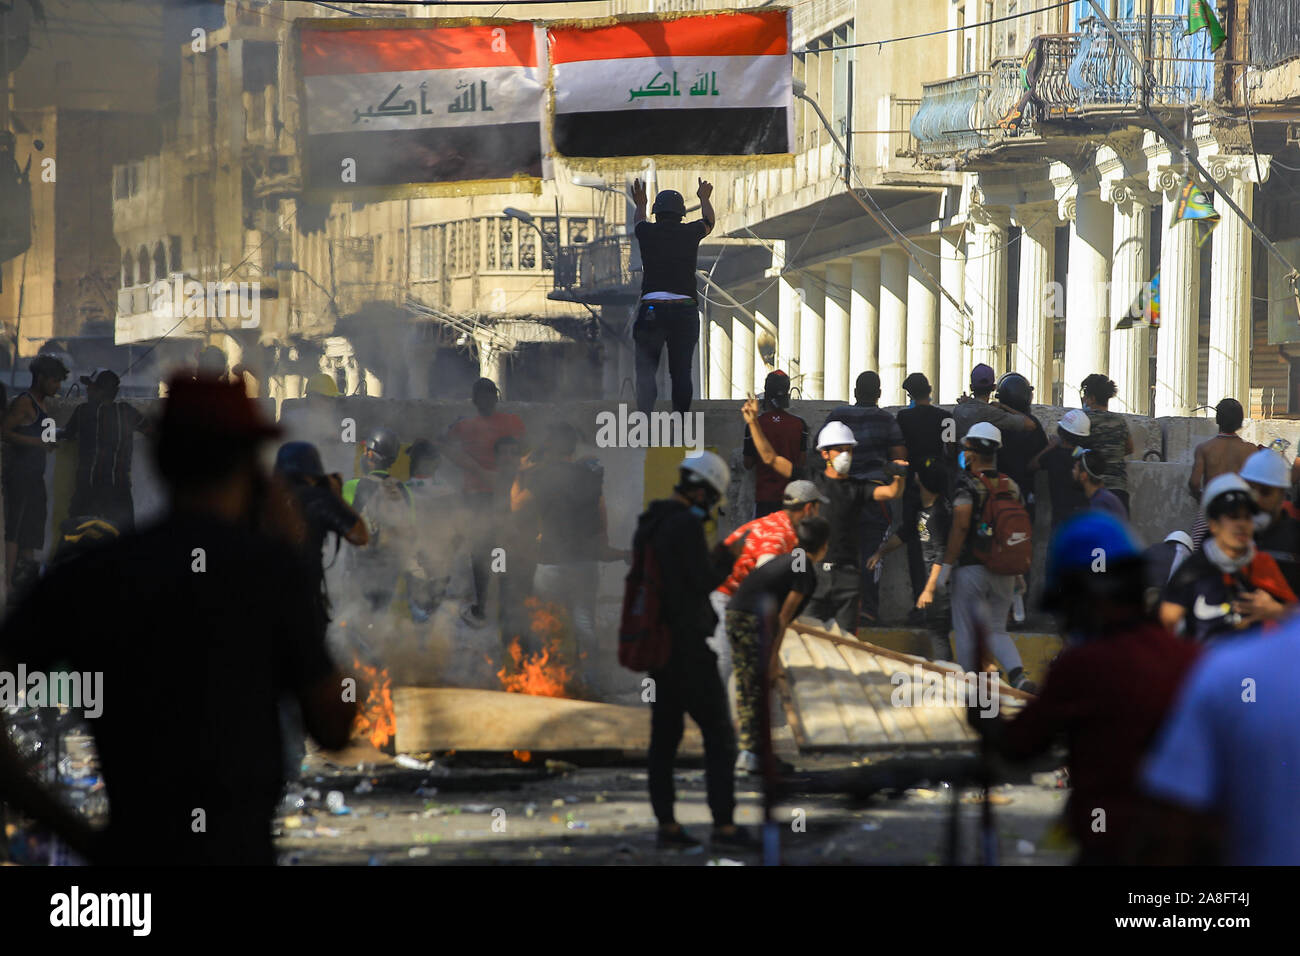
{"x":489,"y":366}
{"x":1230,"y":310}
{"x":893,"y":321}
{"x":954,"y":328}
{"x":838,"y":283}
{"x":1031,"y":355}
{"x":1130,"y":271}
{"x":787,"y":340}
{"x":1180,"y":280}
{"x":986,"y":284}
{"x":742,"y":357}
{"x":922,"y":321}
{"x":1087,"y":307}
{"x":864,"y":317}
{"x":719,"y":353}
{"x":812,"y":336}
{"x":767,"y":309}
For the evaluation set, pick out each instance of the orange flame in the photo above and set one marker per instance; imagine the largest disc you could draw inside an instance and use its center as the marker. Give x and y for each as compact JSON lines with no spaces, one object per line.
{"x":376,"y":719}
{"x":543,"y":674}
{"x":523,"y":756}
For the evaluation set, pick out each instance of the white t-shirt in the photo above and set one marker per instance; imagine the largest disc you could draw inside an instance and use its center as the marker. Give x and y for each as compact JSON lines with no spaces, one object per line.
{"x":1223,"y":752}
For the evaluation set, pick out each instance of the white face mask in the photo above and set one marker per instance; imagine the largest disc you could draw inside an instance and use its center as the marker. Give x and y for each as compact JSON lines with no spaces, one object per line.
{"x":1262,"y":521}
{"x":842,"y":462}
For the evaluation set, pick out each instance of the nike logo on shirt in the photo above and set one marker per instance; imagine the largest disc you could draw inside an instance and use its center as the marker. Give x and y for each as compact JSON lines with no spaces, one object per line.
{"x":1205,"y":611}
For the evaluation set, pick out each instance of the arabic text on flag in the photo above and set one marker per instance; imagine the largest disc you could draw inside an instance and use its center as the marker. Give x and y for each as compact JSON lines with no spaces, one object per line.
{"x":416,"y":103}
{"x":717,"y":84}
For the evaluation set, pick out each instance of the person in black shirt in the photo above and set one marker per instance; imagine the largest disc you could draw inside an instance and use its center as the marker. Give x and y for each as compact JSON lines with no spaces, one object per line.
{"x":208,"y":604}
{"x":767,"y":601}
{"x":104,"y":429}
{"x":689,"y":682}
{"x":929,"y":527}
{"x":924,"y":427}
{"x":668,"y":313}
{"x":1019,"y":448}
{"x":839,"y":586}
{"x":1057,"y":459}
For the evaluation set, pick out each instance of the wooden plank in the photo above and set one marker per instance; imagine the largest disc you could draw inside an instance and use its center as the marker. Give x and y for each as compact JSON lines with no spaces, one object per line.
{"x":814,"y":697}
{"x":939,"y":721}
{"x":455,"y":718}
{"x":857,"y":714}
{"x":875,"y":681}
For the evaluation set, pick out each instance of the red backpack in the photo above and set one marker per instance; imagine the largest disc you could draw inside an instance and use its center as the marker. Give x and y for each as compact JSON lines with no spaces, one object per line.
{"x":644,"y":641}
{"x":1004,"y":541}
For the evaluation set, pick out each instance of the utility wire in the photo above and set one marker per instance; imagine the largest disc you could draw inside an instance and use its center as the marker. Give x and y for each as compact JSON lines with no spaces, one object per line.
{"x":935,"y":33}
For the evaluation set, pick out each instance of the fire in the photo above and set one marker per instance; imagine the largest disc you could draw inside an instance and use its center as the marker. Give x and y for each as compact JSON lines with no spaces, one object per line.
{"x":376,"y":720}
{"x":543,"y":674}
{"x":523,"y":756}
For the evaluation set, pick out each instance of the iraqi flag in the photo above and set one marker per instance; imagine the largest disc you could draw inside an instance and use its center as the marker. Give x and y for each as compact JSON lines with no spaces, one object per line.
{"x":711,"y":85}
{"x":417,"y":103}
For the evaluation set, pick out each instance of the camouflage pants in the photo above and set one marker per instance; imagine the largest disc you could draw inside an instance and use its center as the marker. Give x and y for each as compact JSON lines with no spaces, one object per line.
{"x":748,"y":656}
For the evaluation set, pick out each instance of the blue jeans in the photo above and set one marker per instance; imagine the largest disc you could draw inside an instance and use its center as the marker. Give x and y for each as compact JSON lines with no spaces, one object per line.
{"x":677,"y":325}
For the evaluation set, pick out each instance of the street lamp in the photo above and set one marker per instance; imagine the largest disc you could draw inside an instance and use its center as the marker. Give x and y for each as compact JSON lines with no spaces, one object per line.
{"x":527,"y":219}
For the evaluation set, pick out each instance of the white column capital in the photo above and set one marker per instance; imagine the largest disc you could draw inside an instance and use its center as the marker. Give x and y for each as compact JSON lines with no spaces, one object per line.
{"x":1036,"y":215}
{"x":1129,"y":191}
{"x":1166,"y":179}
{"x":1226,"y":166}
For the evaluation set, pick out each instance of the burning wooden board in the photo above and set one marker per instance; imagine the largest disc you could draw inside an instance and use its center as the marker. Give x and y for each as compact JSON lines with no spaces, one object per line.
{"x":453,"y":718}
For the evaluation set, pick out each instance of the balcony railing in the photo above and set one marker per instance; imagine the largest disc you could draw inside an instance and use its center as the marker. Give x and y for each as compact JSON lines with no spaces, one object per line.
{"x":954,"y":114}
{"x":1274,"y":32}
{"x":597,"y":271}
{"x":1182,"y":67}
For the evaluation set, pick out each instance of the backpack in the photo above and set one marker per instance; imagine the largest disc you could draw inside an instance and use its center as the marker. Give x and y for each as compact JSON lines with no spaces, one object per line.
{"x":1004,"y":539}
{"x":644,"y":641}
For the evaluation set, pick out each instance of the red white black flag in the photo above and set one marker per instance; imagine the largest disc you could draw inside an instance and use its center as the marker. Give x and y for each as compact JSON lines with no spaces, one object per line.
{"x":419,"y":102}
{"x":709,"y":85}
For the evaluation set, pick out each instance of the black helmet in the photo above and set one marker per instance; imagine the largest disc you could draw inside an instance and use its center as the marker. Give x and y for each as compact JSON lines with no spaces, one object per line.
{"x":384,"y":444}
{"x":669,"y":201}
{"x":1014,"y":390}
{"x":299,"y":458}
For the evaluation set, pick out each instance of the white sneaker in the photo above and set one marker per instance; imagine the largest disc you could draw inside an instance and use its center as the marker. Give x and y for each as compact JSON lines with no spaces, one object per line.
{"x":747,"y":762}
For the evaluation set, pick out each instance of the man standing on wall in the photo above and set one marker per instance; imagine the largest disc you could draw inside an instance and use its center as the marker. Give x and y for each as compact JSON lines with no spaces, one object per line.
{"x":668,"y":313}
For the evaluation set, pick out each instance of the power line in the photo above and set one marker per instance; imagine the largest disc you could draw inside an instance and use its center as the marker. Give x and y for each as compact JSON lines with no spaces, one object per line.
{"x":935,"y":33}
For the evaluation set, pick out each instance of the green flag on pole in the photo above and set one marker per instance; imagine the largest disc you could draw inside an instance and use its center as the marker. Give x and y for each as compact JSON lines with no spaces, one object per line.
{"x":1200,"y":16}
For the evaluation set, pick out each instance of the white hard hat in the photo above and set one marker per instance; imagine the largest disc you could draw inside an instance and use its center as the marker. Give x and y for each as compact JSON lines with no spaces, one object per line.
{"x":835,"y":433}
{"x":985,"y":431}
{"x":1182,"y":537}
{"x":1077,"y":422}
{"x":710,"y":469}
{"x":1267,"y":467}
{"x":1225,"y":484}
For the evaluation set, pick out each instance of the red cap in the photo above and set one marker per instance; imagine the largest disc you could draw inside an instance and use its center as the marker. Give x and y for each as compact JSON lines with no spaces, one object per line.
{"x":211,"y":407}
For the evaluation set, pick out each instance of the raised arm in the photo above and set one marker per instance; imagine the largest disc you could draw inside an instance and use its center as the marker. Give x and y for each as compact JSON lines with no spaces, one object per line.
{"x":704,"y":192}
{"x":639,"y":200}
{"x":781,"y":465}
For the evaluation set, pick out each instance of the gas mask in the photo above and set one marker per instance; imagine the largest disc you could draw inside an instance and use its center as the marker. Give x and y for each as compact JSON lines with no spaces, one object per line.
{"x":842,"y":462}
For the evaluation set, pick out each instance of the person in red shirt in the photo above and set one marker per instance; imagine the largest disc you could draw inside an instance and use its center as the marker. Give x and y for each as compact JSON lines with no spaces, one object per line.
{"x":472,"y":445}
{"x":1107,"y":693}
{"x":788,"y":435}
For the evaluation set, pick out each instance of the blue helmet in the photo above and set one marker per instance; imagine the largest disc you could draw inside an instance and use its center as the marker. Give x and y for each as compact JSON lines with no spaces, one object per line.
{"x":1081,"y":542}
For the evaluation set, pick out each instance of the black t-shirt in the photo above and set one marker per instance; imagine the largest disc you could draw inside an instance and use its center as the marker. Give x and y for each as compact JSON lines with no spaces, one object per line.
{"x":931,"y":529}
{"x":766,"y":587}
{"x":1206,"y":594}
{"x":567,"y":495}
{"x":1018,"y":447}
{"x":669,"y":253}
{"x":1067,"y":497}
{"x":849,"y":498}
{"x":922,"y":428}
{"x":324,"y":512}
{"x":194,"y":666}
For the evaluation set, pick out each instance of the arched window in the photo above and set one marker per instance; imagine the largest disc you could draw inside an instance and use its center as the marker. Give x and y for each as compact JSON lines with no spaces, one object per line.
{"x":142,"y":266}
{"x":128,"y":270}
{"x":159,"y":261}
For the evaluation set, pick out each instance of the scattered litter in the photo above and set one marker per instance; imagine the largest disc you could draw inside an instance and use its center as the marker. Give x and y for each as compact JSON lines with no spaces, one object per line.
{"x":293,"y":801}
{"x":996,"y":799}
{"x":572,"y":799}
{"x":311,"y":793}
{"x":476,"y":808}
{"x":327,"y":832}
{"x":381,"y":815}
{"x":1024,"y":847}
{"x":557,"y":802}
{"x":365,"y":786}
{"x":292,"y":823}
{"x":410,"y":763}
{"x":922,"y":793}
{"x":334,"y":800}
{"x":600,"y":798}
{"x":560,"y":766}
{"x":426,"y":791}
{"x":577,"y":824}
{"x":723,"y":861}
{"x":529,"y":810}
{"x":555,"y":818}
{"x":871,"y":826}
{"x":415,"y":851}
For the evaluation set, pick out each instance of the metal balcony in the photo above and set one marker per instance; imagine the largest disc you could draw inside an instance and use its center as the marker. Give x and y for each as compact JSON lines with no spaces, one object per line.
{"x":599,"y":272}
{"x":1274,"y":32}
{"x":1105,"y":78}
{"x":953,"y":116}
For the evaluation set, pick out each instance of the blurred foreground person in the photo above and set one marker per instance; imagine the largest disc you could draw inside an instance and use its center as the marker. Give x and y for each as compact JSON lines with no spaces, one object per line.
{"x":22,"y":470}
{"x":673,"y":529}
{"x":1225,"y":769}
{"x":206,"y":604}
{"x":1108,"y":691}
{"x":104,"y":430}
{"x":1229,"y":585}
